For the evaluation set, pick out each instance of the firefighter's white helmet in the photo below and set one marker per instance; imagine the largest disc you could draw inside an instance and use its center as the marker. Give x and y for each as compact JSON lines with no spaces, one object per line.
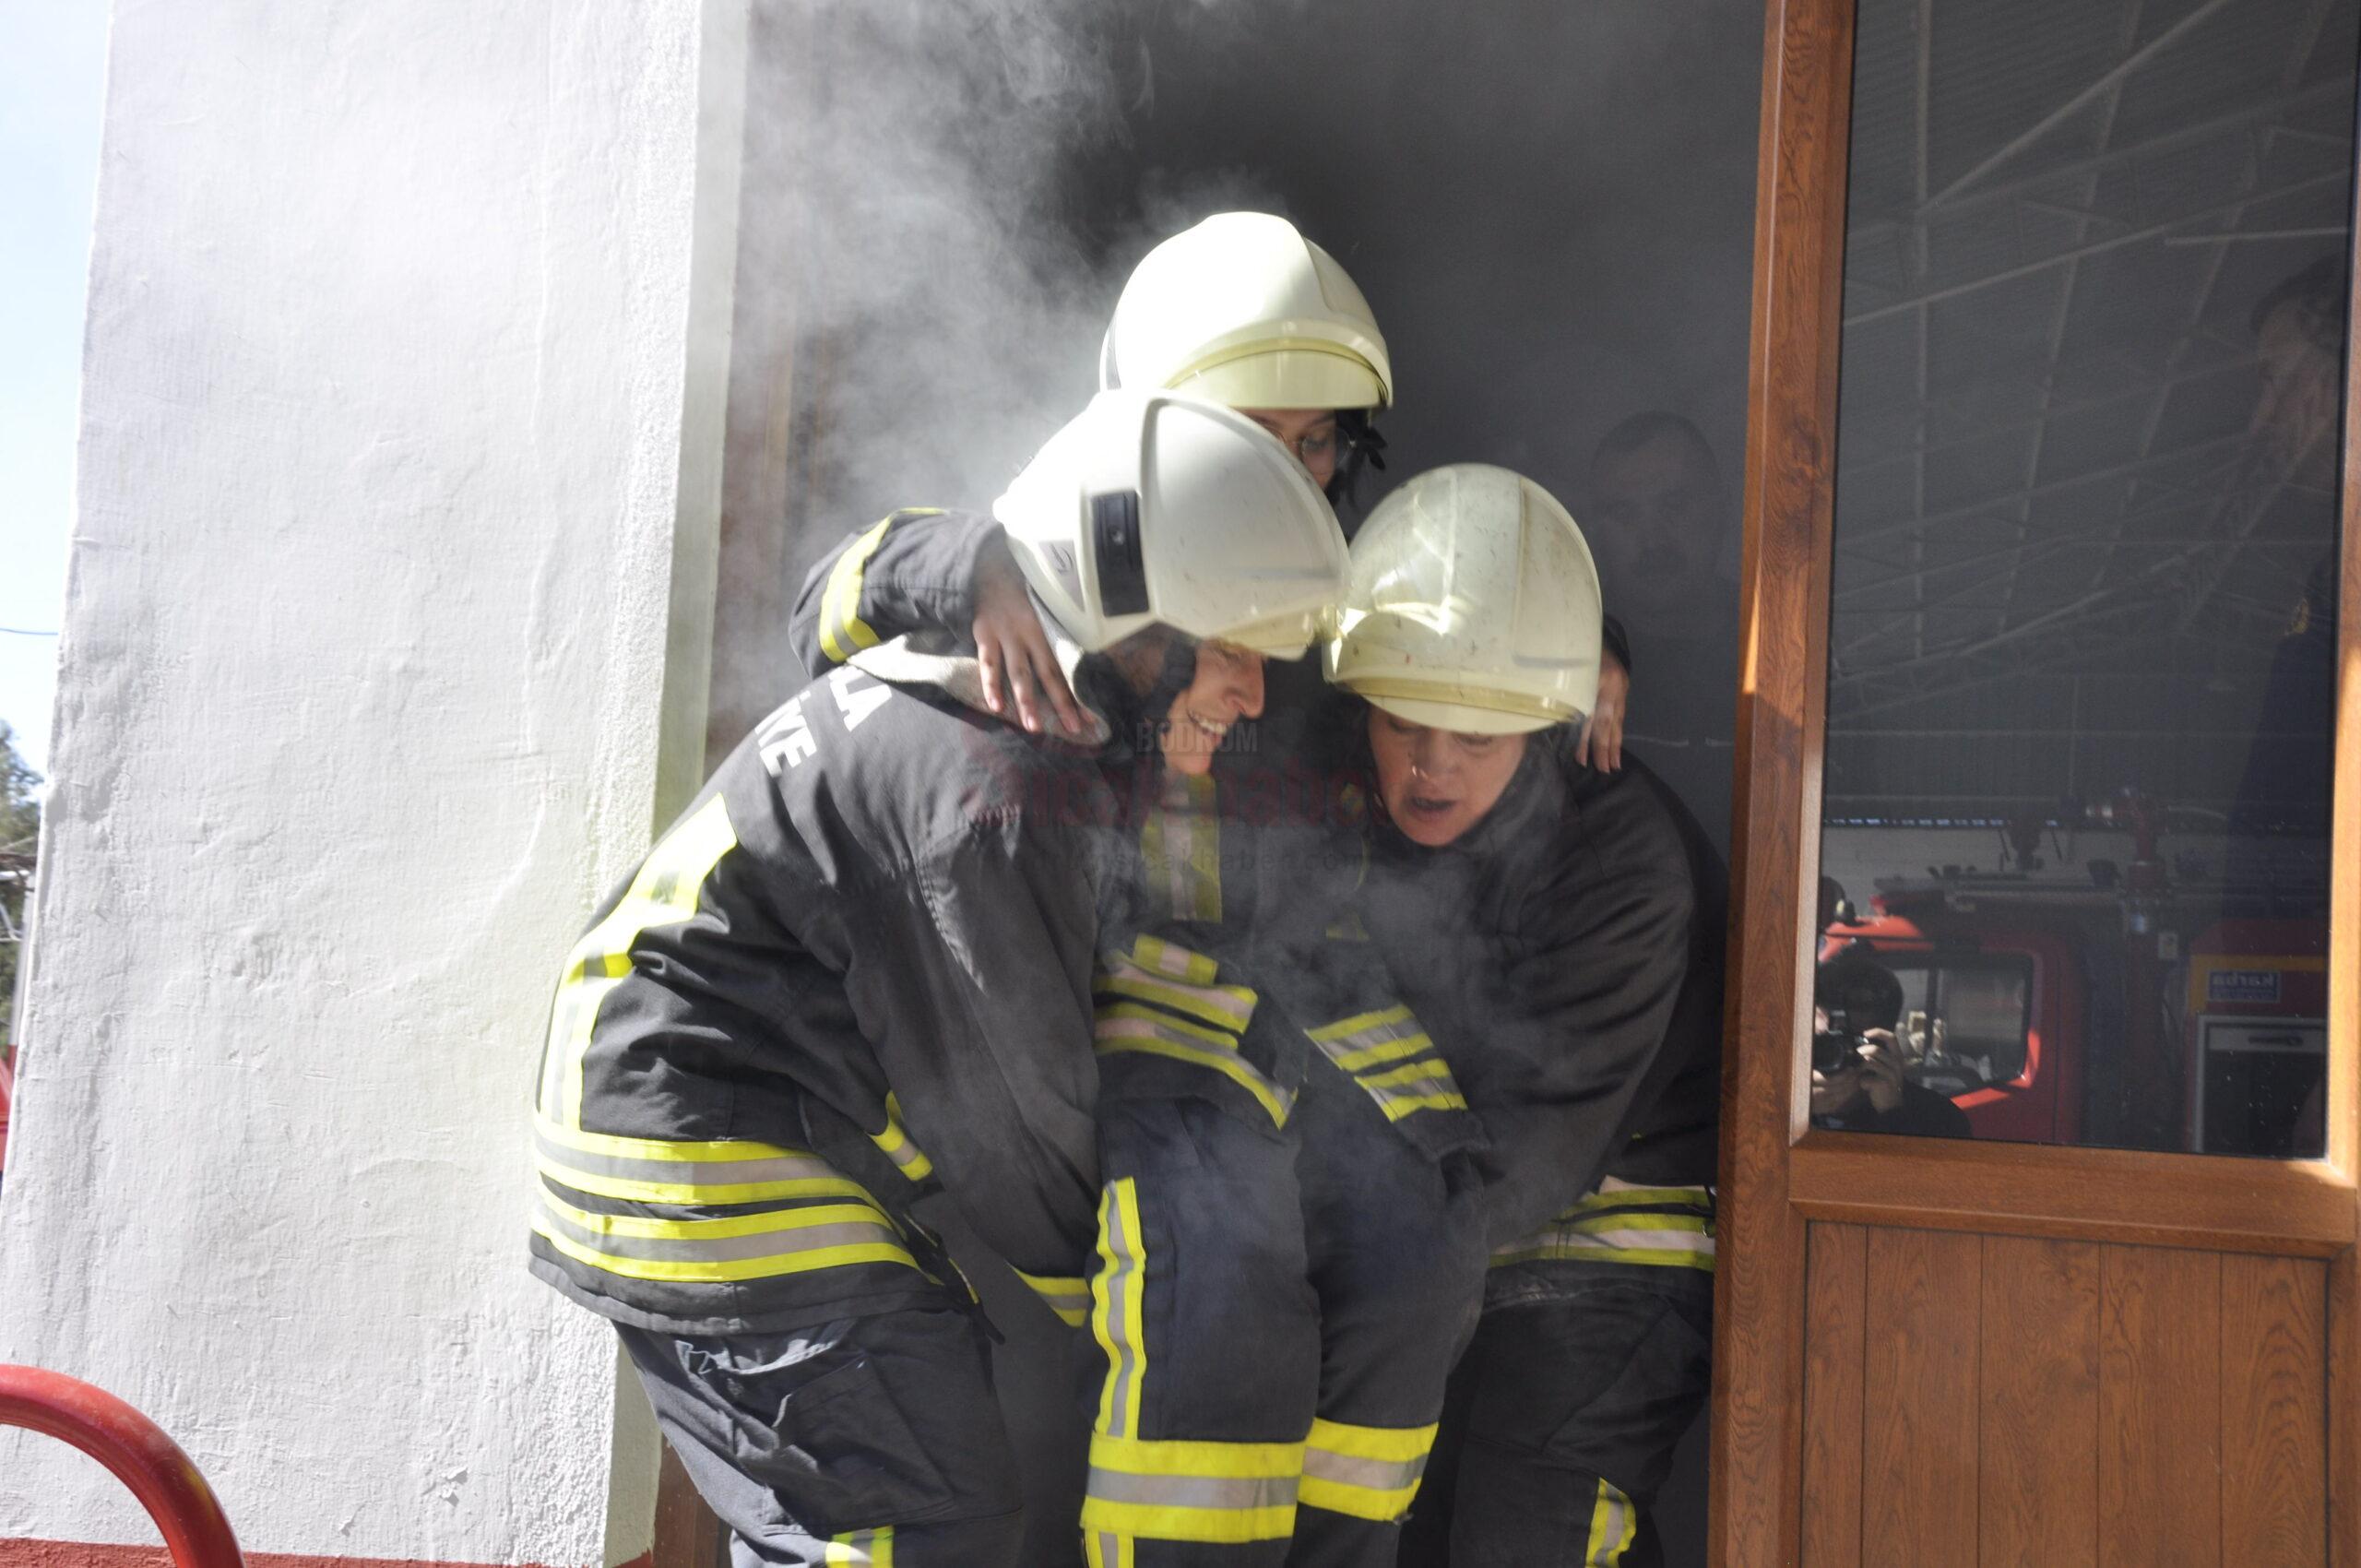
{"x":1243,"y":310}
{"x":1151,"y":509}
{"x":1472,"y":605}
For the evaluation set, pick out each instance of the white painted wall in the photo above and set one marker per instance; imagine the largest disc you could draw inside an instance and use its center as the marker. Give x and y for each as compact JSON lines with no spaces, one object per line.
{"x":389,"y":512}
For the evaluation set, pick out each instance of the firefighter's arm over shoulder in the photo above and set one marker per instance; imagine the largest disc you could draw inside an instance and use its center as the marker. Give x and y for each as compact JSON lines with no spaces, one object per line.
{"x":974,"y":987}
{"x":1601,"y":952}
{"x":914,"y":571}
{"x":925,"y":571}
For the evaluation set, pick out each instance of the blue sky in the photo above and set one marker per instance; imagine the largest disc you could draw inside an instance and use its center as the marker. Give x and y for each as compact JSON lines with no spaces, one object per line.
{"x":53,"y":71}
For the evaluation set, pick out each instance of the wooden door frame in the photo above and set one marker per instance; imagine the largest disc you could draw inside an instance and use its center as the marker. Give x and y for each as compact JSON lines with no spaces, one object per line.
{"x":1778,"y":1174}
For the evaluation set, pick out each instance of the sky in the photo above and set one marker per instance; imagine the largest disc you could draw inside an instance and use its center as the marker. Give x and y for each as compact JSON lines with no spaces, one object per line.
{"x":52,"y":68}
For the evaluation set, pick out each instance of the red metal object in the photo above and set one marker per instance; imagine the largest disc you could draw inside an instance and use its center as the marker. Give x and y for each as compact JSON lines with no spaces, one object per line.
{"x":136,"y":1449}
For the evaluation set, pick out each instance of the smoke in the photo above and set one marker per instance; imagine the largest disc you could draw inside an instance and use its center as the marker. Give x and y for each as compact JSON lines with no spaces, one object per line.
{"x":937,"y":291}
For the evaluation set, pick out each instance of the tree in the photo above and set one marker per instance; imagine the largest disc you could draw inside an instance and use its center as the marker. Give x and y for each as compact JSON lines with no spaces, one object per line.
{"x":20,"y":828}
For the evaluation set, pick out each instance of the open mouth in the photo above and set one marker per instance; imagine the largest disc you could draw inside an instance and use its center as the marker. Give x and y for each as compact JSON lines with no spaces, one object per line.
{"x":1428,"y":808}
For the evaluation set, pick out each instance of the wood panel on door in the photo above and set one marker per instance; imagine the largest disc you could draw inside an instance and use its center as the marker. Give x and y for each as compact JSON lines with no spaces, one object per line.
{"x":2002,"y":1402}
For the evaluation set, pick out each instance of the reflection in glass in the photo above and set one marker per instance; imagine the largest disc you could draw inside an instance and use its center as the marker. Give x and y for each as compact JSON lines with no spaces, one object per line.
{"x":2082,"y":621}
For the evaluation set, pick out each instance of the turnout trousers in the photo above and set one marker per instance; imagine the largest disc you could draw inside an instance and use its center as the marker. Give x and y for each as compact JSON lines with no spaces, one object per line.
{"x":1279,"y":1306}
{"x":1583,"y":1378}
{"x":868,"y":1440}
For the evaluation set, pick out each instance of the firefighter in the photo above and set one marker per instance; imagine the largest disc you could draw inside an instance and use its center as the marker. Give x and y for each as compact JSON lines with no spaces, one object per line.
{"x":1563,"y":922}
{"x":1271,"y":1112}
{"x":858,"y":967}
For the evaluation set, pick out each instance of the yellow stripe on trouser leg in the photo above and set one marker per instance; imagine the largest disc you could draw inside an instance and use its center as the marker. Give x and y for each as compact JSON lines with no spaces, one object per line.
{"x":1117,"y":1317}
{"x":1614,"y":1523}
{"x":1105,"y":1549}
{"x":873,"y":1546}
{"x":1366,"y":1472}
{"x":1218,"y":1493}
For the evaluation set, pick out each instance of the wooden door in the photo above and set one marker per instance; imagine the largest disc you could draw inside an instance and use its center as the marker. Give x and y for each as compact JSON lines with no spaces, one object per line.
{"x":1935,"y":1352}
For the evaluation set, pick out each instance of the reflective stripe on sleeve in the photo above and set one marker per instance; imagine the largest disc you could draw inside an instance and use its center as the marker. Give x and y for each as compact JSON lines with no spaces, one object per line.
{"x":734,"y":1247}
{"x":1126,"y":1028}
{"x":1069,"y":1298}
{"x":1228,"y":1007}
{"x":1389,"y":1055}
{"x":656,"y":1170}
{"x":842,"y":631}
{"x":1176,"y":962}
{"x":663,"y":892}
{"x":895,"y":1140}
{"x":1366,"y":1472}
{"x":1227,"y":1493}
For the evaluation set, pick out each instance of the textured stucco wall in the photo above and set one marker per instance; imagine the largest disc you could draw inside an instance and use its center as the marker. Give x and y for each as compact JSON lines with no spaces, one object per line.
{"x":386,"y":496}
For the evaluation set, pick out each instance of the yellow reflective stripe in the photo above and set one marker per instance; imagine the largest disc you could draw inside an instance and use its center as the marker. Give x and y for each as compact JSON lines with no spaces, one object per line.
{"x":1416,"y":1073}
{"x":1614,"y":1523}
{"x":1220,"y":1527}
{"x":664,"y":892}
{"x":1391,"y":1051}
{"x":1398,"y":1106}
{"x":895,"y":1140}
{"x":842,"y":631}
{"x":1366,"y":1472}
{"x":1118,"y":1318}
{"x":721,"y":1226}
{"x":874,"y":1548}
{"x":1128,"y":1019}
{"x":1183,"y":1457}
{"x":1230,"y":1492}
{"x":1642,"y":1221}
{"x":1104,"y":1548}
{"x":1067,"y":1297}
{"x":1579,"y":1249}
{"x":1144,"y":1033}
{"x":1227,"y":1006}
{"x":1159,"y":956}
{"x":1388,"y":1444}
{"x":1612,"y":1194}
{"x":711,"y":1272}
{"x":1345,"y":1028}
{"x":657,"y":1172}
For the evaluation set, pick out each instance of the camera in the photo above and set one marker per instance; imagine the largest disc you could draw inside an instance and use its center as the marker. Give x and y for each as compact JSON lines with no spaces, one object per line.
{"x":1835,"y":1048}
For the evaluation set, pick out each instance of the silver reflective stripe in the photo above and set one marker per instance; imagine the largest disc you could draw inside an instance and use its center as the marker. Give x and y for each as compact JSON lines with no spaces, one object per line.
{"x":686,"y":1172}
{"x":1376,"y":1474}
{"x":1192,"y":1491}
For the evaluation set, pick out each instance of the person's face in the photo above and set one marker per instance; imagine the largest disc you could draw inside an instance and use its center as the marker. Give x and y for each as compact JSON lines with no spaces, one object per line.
{"x":2297,"y":415}
{"x":1437,"y":784}
{"x":1310,"y":433}
{"x":1226,"y":688}
{"x":1658,"y":523}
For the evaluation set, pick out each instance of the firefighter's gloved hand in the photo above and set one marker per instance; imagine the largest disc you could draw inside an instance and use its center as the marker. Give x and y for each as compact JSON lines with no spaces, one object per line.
{"x":1602,"y":744}
{"x":1012,"y":647}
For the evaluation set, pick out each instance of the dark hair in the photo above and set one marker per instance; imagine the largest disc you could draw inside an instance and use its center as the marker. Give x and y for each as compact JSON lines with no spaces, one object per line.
{"x":1364,"y":448}
{"x":2318,"y":292}
{"x":1655,"y":424}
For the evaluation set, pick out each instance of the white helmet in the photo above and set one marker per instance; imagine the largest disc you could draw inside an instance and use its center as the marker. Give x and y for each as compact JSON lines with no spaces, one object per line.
{"x":1471,"y":605}
{"x":1244,"y":309}
{"x":1153,"y":509}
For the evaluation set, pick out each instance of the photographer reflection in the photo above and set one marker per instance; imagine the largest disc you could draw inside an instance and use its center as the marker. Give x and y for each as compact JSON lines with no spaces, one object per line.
{"x":1857,"y":1081}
